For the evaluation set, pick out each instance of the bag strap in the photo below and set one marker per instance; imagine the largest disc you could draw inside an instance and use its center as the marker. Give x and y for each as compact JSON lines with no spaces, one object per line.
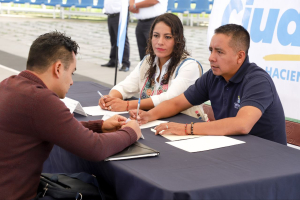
{"x":176,"y":73}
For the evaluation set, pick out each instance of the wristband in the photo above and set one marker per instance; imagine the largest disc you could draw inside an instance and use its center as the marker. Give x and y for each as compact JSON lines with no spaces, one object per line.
{"x":192,"y":124}
{"x":185,"y":129}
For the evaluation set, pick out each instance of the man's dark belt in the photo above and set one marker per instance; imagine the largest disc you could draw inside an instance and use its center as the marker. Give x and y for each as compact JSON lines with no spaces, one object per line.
{"x":113,"y":15}
{"x":145,"y":20}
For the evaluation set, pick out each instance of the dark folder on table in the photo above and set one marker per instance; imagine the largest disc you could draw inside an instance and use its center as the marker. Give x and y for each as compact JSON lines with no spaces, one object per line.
{"x":136,"y":150}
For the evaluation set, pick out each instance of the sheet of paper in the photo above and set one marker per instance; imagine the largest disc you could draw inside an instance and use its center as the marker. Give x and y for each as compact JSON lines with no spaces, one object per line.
{"x":74,"y":106}
{"x":177,"y":137}
{"x":107,"y":116}
{"x":97,"y":110}
{"x":153,"y":123}
{"x":205,"y":143}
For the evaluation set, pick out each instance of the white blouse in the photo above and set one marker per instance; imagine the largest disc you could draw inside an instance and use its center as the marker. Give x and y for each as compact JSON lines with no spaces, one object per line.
{"x":187,"y":75}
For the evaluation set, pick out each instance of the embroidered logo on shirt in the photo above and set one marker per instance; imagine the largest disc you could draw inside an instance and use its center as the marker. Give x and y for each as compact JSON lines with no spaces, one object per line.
{"x":198,"y":114}
{"x":237,"y":104}
{"x":149,"y":88}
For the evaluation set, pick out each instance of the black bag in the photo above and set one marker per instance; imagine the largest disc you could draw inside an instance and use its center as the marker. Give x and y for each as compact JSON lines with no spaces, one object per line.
{"x":69,"y":186}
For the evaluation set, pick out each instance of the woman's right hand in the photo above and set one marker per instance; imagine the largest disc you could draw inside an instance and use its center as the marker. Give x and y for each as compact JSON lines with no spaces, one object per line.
{"x":142,"y":117}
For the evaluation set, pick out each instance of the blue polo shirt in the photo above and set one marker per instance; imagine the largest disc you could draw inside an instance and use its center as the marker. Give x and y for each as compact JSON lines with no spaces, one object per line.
{"x":250,"y":86}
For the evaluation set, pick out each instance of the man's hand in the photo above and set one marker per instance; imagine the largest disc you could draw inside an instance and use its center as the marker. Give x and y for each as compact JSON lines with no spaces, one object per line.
{"x":133,"y":9}
{"x":112,"y":104}
{"x":170,"y":128}
{"x":135,"y":126}
{"x":113,"y":124}
{"x":142,"y":118}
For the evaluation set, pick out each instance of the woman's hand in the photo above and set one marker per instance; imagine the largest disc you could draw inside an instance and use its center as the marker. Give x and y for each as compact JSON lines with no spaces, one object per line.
{"x":142,"y":118}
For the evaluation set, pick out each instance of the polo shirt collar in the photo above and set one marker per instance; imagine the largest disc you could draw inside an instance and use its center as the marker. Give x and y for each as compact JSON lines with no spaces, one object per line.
{"x":239,"y":75}
{"x":27,"y":74}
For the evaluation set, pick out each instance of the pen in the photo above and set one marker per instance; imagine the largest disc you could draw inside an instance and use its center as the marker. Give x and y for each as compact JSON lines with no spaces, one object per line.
{"x":102,"y":97}
{"x":100,"y":94}
{"x":139,"y":103}
{"x":137,"y":113}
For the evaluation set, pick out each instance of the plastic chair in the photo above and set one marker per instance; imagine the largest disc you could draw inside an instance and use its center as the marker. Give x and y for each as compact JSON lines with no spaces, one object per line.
{"x":171,"y":5}
{"x":54,"y":3}
{"x":183,"y":6}
{"x":85,"y":4}
{"x":39,"y":2}
{"x":6,"y":1}
{"x":100,"y":4}
{"x":69,"y":3}
{"x":21,"y":1}
{"x":202,"y":6}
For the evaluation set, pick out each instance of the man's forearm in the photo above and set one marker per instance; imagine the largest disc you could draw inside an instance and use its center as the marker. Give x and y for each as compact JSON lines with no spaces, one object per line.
{"x":227,"y":126}
{"x":169,"y":108}
{"x":242,"y":123}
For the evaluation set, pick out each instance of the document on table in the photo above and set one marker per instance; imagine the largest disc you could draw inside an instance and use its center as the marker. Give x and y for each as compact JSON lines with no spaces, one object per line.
{"x":173,"y":137}
{"x":97,"y":110}
{"x":205,"y":143}
{"x":153,"y":123}
{"x":74,"y":106}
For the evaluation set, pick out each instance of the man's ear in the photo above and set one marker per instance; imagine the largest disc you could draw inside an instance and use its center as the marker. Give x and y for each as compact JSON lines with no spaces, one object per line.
{"x":241,"y":55}
{"x":57,"y":68}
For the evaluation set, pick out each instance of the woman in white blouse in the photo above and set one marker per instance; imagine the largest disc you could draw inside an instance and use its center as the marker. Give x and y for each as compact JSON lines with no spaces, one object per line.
{"x":165,"y":72}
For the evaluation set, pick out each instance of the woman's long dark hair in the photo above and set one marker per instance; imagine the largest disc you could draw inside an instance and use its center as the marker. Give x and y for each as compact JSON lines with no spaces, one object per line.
{"x":179,"y":50}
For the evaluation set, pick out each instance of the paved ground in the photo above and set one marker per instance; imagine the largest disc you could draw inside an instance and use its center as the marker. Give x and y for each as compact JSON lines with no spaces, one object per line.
{"x":18,"y":31}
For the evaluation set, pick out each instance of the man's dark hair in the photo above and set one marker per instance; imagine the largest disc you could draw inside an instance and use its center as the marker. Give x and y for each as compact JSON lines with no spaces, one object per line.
{"x":240,"y":38}
{"x":179,"y":50}
{"x":48,"y":49}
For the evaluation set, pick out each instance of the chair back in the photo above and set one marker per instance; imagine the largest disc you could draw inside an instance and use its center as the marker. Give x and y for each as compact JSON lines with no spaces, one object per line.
{"x":40,"y":2}
{"x":202,"y":4}
{"x":21,"y":1}
{"x":87,"y":2}
{"x":58,"y":2}
{"x":100,"y":3}
{"x":183,"y":5}
{"x":73,"y":2}
{"x":171,"y":5}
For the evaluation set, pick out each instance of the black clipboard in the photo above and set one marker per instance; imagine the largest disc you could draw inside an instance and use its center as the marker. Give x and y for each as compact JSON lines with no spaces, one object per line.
{"x":136,"y":150}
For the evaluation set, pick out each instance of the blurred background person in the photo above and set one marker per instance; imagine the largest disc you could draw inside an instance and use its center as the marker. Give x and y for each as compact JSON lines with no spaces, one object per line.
{"x":145,"y":11}
{"x":113,"y":9}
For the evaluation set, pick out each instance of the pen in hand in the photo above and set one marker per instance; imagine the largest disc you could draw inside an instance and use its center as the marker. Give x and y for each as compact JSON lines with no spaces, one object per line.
{"x":137,"y":113}
{"x":138,"y":107}
{"x":101,"y":95}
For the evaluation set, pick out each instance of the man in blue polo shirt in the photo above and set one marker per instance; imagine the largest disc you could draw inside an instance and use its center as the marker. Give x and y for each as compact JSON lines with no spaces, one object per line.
{"x":243,"y":96}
